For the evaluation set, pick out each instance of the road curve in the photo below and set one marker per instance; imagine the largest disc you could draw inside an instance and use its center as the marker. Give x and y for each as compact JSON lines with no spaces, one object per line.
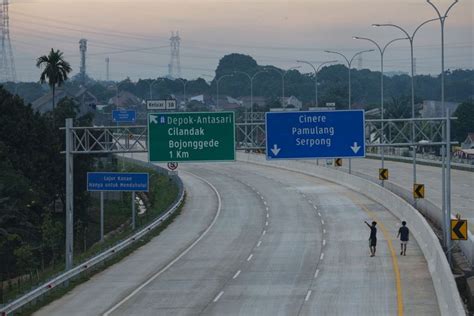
{"x":284,"y":243}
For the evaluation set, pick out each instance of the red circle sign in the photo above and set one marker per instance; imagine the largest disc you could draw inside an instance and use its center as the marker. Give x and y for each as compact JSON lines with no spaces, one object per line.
{"x":172,"y":165}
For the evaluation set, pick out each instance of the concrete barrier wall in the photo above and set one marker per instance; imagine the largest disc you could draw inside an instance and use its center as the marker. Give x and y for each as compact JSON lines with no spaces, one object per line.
{"x":447,"y":293}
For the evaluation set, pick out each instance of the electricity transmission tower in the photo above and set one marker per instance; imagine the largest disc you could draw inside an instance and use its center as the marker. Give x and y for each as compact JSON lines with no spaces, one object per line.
{"x":83,"y":50}
{"x":174,"y":67}
{"x":7,"y":64}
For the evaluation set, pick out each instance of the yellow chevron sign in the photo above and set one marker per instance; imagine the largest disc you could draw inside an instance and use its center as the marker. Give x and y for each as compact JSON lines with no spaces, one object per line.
{"x":383,"y":174}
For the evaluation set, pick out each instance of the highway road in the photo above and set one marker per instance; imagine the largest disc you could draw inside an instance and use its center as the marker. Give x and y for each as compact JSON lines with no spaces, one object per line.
{"x":462,"y":182}
{"x":259,"y":240}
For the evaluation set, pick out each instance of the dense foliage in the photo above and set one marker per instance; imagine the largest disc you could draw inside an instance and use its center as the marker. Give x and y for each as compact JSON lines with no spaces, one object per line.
{"x":32,"y":185}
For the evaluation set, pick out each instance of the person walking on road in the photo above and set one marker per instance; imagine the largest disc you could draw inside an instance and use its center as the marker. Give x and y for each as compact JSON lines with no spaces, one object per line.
{"x":404,"y":233}
{"x":372,"y":237}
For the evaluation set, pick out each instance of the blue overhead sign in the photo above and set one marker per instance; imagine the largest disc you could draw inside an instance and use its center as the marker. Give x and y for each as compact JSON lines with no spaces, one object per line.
{"x":125,"y":116}
{"x":315,"y":134}
{"x":117,"y":181}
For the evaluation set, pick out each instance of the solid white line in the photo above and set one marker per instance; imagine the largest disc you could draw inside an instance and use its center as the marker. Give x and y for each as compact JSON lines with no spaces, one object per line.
{"x":324,"y":242}
{"x":236,"y":275}
{"x":307,"y":295}
{"x":322,"y":221}
{"x":152,"y":278}
{"x":259,"y":243}
{"x":264,"y":232}
{"x":316,"y":273}
{"x":250,"y":257}
{"x":218,"y":296}
{"x":322,"y":256}
{"x":319,"y":214}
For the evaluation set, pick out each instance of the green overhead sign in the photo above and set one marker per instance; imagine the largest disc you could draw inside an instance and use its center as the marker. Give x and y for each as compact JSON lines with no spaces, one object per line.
{"x":203,"y":136}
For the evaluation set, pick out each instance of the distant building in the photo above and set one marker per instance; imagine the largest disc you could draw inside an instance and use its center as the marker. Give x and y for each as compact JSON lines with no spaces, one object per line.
{"x":257,"y":101}
{"x":84,"y":99}
{"x":291,"y":102}
{"x":433,"y":108}
{"x":469,"y":142}
{"x":125,"y":99}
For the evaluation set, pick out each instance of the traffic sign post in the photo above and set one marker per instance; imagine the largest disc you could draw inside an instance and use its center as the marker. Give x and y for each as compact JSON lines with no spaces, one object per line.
{"x":124,"y":116}
{"x":191,"y":137}
{"x":315,"y":134}
{"x":116,"y":181}
{"x":459,"y":229}
{"x":419,"y":191}
{"x":383,"y":174}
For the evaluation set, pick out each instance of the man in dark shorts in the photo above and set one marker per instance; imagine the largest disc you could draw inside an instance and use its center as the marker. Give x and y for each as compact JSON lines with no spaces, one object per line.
{"x":372,"y":238}
{"x":404,"y":233}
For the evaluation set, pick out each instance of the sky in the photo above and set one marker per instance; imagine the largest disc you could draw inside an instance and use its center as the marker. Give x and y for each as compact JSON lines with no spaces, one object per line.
{"x":134,"y":34}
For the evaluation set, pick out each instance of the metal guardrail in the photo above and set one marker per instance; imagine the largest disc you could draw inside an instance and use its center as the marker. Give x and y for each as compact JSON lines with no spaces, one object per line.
{"x":94,"y":261}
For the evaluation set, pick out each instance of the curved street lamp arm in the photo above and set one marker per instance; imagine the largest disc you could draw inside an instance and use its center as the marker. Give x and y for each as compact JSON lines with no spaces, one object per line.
{"x":394,"y":40}
{"x":396,"y":26}
{"x":242,"y":72}
{"x":292,"y":68}
{"x":325,"y":63}
{"x":257,"y":73}
{"x":358,"y":53}
{"x":333,"y":52}
{"x":368,"y":39}
{"x":439,"y":13}
{"x":307,"y":63}
{"x":419,"y":26}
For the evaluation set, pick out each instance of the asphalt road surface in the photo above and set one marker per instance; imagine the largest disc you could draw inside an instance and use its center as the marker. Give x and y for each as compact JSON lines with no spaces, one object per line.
{"x":255,"y":240}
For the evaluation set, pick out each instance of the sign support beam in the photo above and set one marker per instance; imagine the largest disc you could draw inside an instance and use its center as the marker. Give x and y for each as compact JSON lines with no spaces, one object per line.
{"x":69,"y":195}
{"x":101,"y":216}
{"x":133,"y":211}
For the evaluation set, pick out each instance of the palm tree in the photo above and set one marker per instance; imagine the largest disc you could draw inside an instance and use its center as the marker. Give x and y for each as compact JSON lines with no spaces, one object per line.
{"x":55,"y":69}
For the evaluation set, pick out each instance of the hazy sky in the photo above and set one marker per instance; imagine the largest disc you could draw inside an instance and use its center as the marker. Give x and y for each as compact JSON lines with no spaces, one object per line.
{"x":134,"y":34}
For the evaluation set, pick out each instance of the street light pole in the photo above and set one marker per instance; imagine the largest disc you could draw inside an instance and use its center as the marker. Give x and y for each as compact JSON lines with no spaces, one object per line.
{"x":382,"y":52}
{"x":218,"y":80}
{"x":446,"y":169}
{"x":184,"y":83}
{"x":283,"y":74}
{"x":349,"y":63}
{"x":410,"y":39}
{"x":316,"y":70}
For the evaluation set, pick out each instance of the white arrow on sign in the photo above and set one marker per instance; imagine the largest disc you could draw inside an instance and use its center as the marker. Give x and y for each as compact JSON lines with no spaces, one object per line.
{"x":275,"y":150}
{"x":355,"y":148}
{"x":153,"y":119}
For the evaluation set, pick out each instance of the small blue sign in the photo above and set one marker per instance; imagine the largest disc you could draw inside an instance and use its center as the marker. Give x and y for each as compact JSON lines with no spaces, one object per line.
{"x":124,"y":116}
{"x":315,"y":134}
{"x":117,"y":181}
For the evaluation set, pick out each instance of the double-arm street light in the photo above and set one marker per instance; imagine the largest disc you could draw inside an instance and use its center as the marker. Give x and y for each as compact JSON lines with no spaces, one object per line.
{"x":447,"y":151}
{"x":251,"y":78}
{"x":283,"y":74}
{"x":349,"y":63}
{"x":382,"y":52}
{"x":411,"y":39}
{"x":316,"y":70}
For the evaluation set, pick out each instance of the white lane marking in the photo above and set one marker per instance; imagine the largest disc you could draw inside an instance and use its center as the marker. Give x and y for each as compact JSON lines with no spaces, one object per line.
{"x":319,"y":214}
{"x":218,"y":296}
{"x":250,"y":257}
{"x":264,"y":232}
{"x":258,"y":193}
{"x":315,"y":207}
{"x":310,"y":202}
{"x":324,"y":231}
{"x":322,"y":221}
{"x":266,"y":223}
{"x":316,"y":273}
{"x":324,"y":242}
{"x":153,"y":277}
{"x":267,"y":209}
{"x":307,"y":295}
{"x":259,"y":243}
{"x":261,"y":197}
{"x":304,"y":195}
{"x":322,"y":256}
{"x":268,"y":215}
{"x":236,"y":275}
{"x":264,"y":202}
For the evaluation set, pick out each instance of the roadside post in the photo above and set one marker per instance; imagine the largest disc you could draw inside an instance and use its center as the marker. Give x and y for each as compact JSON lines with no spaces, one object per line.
{"x":117,"y":181}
